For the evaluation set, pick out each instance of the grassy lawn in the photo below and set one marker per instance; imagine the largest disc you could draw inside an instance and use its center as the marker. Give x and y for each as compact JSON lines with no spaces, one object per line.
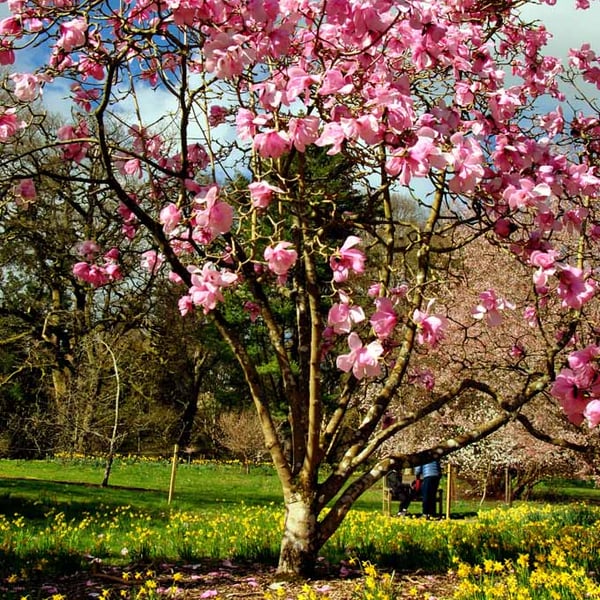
{"x":202,"y":486}
{"x":56,"y":520}
{"x":144,"y":484}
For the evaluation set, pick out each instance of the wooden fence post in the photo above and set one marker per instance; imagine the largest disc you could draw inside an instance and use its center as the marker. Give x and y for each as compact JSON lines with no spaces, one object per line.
{"x":507,"y":486}
{"x":173,"y":472}
{"x":449,"y":490}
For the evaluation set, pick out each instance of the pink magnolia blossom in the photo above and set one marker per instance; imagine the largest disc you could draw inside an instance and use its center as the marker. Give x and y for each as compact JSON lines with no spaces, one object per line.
{"x":399,"y":292}
{"x":152,"y":261}
{"x":583,"y":359}
{"x":170,"y":217}
{"x":342,"y":316}
{"x":99,"y":275}
{"x":112,"y":254}
{"x":571,"y":396}
{"x":146,"y":143}
{"x":526,"y":194}
{"x":246,"y":128}
{"x":303,"y":131}
{"x":270,"y":94}
{"x":592,"y":413}
{"x":503,"y":228}
{"x":370,"y":129}
{"x":208,"y":284}
{"x":84,"y":97}
{"x":347,"y":259}
{"x":517,"y":351}
{"x":363,"y":361}
{"x":546,"y":220}
{"x":247,"y":123}
{"x":91,"y":68}
{"x":27,"y":86}
{"x":253,"y":309}
{"x":9,"y":123}
{"x":530,"y":316}
{"x":467,"y":160}
{"x":7,"y":54}
{"x":261,"y":193}
{"x":77,"y":150}
{"x":490,"y":307}
{"x":228,"y":54}
{"x":335,"y":82}
{"x":131,"y":166}
{"x":418,"y":159}
{"x":130,"y":221}
{"x":299,"y":82}
{"x":111,"y":265}
{"x":553,"y":122}
{"x":73,"y":34}
{"x":92,"y":274}
{"x":430,"y":327}
{"x":217,"y":115}
{"x":573,"y":219}
{"x":88,"y":249}
{"x":197,"y":155}
{"x":281,"y":258}
{"x":272,"y":143}
{"x":113,"y":271}
{"x":333,"y":135}
{"x":174,"y":278}
{"x":216,"y":218}
{"x":185,"y":305}
{"x":579,"y":384}
{"x":546,"y":261}
{"x":575,"y":288}
{"x":422,"y":377}
{"x":25,"y":190}
{"x":384,"y":319}
{"x":375,"y":289}
{"x":11,"y":26}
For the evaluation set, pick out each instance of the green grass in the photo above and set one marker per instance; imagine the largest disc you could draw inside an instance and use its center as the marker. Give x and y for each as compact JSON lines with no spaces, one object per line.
{"x":207,"y":486}
{"x":566,"y":490}
{"x":55,"y":518}
{"x":143,"y":484}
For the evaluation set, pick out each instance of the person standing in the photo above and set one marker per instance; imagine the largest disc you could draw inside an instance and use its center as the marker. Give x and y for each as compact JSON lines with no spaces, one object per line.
{"x":430,"y":475}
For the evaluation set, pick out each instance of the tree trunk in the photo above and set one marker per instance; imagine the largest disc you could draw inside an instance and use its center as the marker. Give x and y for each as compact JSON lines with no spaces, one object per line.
{"x":107,"y":469}
{"x":191,"y":407}
{"x":300,"y":543}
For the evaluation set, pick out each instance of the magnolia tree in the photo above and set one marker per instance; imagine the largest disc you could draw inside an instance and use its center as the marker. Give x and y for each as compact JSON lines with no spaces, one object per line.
{"x":540,"y":441}
{"x":224,"y":127}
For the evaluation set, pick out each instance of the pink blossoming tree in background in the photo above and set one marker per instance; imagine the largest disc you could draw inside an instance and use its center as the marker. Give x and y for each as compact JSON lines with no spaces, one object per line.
{"x":450,"y":103}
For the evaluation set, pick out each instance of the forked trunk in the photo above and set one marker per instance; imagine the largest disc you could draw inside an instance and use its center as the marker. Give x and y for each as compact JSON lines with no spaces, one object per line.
{"x":300,"y":545}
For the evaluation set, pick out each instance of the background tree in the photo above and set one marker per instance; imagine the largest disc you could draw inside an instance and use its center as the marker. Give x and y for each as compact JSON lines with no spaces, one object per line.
{"x":242,"y":435}
{"x":409,"y":98}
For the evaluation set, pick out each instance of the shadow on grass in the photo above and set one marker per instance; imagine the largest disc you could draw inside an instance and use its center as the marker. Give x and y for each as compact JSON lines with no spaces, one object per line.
{"x":33,"y":499}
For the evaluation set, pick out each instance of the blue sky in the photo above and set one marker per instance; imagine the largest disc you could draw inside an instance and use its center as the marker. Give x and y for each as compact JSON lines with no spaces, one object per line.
{"x":569,"y":26}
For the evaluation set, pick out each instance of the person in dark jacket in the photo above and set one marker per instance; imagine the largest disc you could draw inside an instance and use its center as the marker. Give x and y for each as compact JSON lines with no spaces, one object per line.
{"x":400,"y":491}
{"x":430,"y":475}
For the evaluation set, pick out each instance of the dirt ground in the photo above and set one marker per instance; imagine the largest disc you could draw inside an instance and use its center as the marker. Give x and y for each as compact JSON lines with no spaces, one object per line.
{"x":224,"y":581}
